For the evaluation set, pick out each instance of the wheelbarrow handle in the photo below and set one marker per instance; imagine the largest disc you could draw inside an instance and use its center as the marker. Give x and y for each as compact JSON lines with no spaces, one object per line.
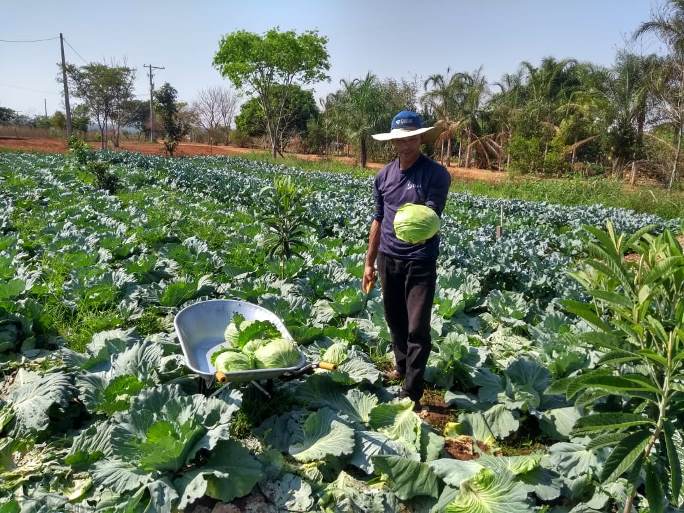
{"x":308,"y":369}
{"x":222,"y":378}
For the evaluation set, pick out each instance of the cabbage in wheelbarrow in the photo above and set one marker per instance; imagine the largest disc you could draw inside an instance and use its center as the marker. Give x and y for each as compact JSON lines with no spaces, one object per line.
{"x":254,"y":344}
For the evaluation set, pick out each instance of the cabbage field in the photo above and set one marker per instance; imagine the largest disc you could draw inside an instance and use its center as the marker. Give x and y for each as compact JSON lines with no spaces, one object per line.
{"x":534,"y":411}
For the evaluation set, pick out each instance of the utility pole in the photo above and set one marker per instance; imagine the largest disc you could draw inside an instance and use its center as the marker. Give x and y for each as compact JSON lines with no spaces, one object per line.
{"x":45,"y":105}
{"x":151,"y":74}
{"x":66,"y":89}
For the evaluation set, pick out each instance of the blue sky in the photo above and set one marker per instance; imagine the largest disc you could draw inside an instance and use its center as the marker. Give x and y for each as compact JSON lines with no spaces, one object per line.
{"x":396,"y":38}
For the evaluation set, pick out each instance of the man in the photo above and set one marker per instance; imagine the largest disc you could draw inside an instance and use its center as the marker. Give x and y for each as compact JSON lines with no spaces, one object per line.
{"x":408,"y":272}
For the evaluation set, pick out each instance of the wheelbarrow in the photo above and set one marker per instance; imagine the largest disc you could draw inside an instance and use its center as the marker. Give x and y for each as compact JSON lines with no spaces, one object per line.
{"x":200,"y":328}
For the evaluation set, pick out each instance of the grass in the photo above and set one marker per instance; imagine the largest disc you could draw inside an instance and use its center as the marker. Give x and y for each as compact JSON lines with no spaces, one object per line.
{"x":328,"y":165}
{"x":568,"y":191}
{"x":610,"y":193}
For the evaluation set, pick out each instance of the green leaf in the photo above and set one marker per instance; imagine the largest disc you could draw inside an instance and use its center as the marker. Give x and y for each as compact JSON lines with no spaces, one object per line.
{"x":454,"y":472}
{"x":675,"y":456}
{"x":230,"y":472}
{"x":373,"y":443}
{"x":501,"y":421}
{"x":163,"y":496}
{"x":165,"y":428}
{"x":543,"y":483}
{"x":608,"y":421}
{"x":654,"y":489}
{"x":355,"y":370}
{"x":289,"y":493}
{"x":10,"y":507}
{"x":611,"y":297}
{"x":617,"y":357}
{"x":349,"y":495}
{"x":654,"y":357}
{"x":119,"y":476}
{"x":663,"y":268}
{"x":490,"y":492}
{"x":625,"y":455}
{"x":100,"y":396}
{"x":356,"y":405}
{"x":12,"y":288}
{"x":322,"y":435}
{"x":619,"y":385}
{"x":572,"y":459}
{"x":398,"y":421}
{"x":606,"y":440}
{"x":558,"y":422}
{"x":90,"y":445}
{"x":584,"y":311}
{"x":35,"y":398}
{"x":475,"y":425}
{"x":408,"y":478}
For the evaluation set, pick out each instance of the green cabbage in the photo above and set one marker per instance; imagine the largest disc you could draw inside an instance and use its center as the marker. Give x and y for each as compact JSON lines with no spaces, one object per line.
{"x":336,"y":353}
{"x":415,"y":223}
{"x":231,"y":361}
{"x":253,"y":345}
{"x":240,"y":331}
{"x":277,"y":353}
{"x":231,"y":334}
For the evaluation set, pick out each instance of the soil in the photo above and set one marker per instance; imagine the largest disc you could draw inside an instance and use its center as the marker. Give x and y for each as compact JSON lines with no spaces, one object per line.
{"x":436,"y":412}
{"x":463,"y":447}
{"x":633,"y":257}
{"x":48,"y":145}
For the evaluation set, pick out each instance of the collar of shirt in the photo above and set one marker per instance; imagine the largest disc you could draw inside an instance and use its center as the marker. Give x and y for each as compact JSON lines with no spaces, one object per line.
{"x":418,"y":160}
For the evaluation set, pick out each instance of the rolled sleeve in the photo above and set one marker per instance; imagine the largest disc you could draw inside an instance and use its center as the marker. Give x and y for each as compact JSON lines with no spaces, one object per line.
{"x":379,"y":202}
{"x":439,"y":189}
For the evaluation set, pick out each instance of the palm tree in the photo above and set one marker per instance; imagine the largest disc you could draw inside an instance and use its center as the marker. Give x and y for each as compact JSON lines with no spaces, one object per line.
{"x":505,"y":107}
{"x":627,"y":92}
{"x":548,"y":87}
{"x":668,"y":25}
{"x":441,"y":101}
{"x":473,"y":94}
{"x":363,"y":110}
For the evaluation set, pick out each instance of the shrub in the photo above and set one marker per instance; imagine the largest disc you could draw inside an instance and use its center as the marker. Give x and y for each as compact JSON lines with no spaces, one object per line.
{"x":104,"y":178}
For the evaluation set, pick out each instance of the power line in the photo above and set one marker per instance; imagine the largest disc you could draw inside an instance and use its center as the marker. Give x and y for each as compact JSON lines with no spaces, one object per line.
{"x":74,"y":49}
{"x":28,"y":40}
{"x":28,"y":89}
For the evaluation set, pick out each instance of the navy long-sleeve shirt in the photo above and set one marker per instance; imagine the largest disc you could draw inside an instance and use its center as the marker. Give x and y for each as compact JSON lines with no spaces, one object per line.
{"x":424,"y":183}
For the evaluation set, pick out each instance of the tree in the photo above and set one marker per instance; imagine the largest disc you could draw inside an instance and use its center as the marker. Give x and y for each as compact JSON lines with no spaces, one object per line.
{"x":363,"y":108}
{"x":80,"y":118}
{"x":259,"y":64}
{"x":104,"y":89}
{"x":299,"y":108}
{"x":626,"y":93}
{"x":214,"y":110}
{"x":668,"y":25}
{"x":441,"y":102}
{"x":136,"y":114}
{"x":7,"y":115}
{"x":58,"y":120}
{"x":173,"y":125}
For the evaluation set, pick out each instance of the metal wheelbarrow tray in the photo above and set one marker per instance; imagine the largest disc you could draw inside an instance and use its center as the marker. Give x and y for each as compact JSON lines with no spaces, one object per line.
{"x":200,"y":328}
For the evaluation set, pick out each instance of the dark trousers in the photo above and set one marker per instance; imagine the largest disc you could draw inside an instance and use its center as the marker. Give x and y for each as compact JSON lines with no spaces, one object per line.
{"x":408,"y":288}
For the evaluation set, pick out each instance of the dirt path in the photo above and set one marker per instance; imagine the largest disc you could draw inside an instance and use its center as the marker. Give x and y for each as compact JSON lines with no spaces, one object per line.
{"x":46,"y":145}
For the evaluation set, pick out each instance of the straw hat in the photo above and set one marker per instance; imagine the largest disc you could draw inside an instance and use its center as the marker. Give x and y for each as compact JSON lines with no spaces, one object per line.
{"x":405,"y":124}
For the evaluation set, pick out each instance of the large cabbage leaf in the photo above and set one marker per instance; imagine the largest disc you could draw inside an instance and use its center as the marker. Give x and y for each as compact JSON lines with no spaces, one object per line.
{"x":321,"y":435}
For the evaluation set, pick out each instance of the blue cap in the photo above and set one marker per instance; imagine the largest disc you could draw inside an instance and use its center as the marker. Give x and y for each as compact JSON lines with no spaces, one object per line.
{"x":407,"y":120}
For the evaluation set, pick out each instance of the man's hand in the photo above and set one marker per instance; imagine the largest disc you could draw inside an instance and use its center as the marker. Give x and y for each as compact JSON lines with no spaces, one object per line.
{"x":369,"y":276}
